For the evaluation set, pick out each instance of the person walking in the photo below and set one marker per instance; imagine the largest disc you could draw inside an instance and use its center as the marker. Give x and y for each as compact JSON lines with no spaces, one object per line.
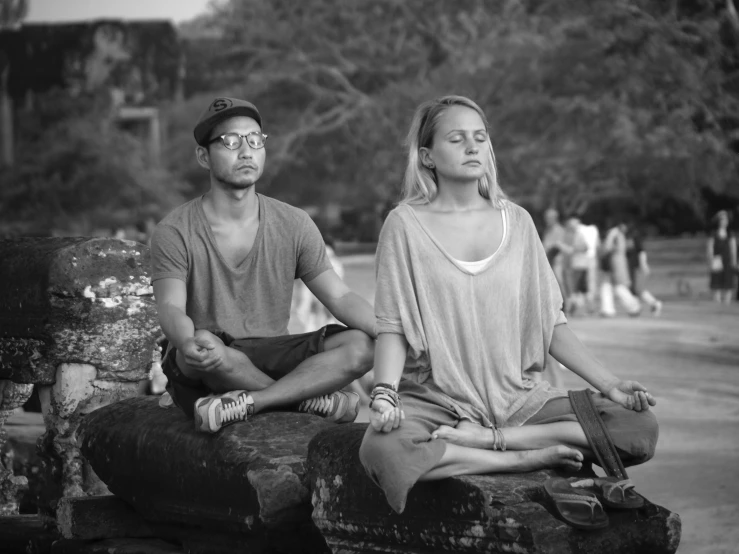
{"x":721,"y":254}
{"x":552,"y":240}
{"x":615,"y":274}
{"x":575,"y":249}
{"x":639,"y":271}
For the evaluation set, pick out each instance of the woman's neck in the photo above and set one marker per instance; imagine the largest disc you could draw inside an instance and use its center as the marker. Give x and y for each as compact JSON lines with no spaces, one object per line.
{"x":459,"y":198}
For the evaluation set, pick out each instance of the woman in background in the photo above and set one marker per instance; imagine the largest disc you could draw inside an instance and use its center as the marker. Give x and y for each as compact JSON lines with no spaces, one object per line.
{"x":721,"y":255}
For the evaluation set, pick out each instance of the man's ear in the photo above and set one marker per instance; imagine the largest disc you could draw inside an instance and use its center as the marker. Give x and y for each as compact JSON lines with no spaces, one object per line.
{"x":203,"y":157}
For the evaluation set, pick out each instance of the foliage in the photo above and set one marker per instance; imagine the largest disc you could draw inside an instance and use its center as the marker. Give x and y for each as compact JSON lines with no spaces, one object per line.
{"x":595,"y":106}
{"x":12,"y":12}
{"x":632,"y":103}
{"x":76,"y":172}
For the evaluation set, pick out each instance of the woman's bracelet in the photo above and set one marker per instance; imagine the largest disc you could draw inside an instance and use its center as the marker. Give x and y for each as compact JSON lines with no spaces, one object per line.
{"x":498,"y":438}
{"x":385,"y":392}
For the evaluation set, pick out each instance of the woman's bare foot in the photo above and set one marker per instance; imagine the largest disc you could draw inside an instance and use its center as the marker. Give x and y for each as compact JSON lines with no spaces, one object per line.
{"x":466,"y":434}
{"x":551,"y":457}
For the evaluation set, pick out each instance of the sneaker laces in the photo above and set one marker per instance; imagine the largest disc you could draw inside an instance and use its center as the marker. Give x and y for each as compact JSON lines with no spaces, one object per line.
{"x":320,"y":405}
{"x":235,"y":410}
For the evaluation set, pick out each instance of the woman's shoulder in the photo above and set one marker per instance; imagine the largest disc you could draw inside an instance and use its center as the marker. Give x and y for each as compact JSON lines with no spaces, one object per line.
{"x":399,"y":216}
{"x":518,"y":215}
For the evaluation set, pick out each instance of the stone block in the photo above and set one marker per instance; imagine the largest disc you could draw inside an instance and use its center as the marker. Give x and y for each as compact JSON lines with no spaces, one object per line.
{"x":493,"y":513}
{"x":99,"y":517}
{"x":247,"y":484}
{"x":75,"y":300}
{"x":115,"y":546}
{"x":78,"y":320}
{"x":25,"y":534}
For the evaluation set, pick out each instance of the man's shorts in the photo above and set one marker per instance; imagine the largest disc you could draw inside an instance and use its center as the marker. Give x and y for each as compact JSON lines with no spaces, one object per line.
{"x":274,"y":356}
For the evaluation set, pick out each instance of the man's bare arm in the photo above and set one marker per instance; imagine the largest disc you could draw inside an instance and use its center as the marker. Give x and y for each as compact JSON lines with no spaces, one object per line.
{"x":346,"y":305}
{"x":171,"y":297}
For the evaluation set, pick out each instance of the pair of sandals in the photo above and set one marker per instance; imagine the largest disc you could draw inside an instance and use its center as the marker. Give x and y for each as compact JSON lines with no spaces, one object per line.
{"x":579,"y":501}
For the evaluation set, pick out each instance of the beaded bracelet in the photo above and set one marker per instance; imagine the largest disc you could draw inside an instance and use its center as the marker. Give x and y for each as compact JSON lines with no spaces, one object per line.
{"x":386,"y":393}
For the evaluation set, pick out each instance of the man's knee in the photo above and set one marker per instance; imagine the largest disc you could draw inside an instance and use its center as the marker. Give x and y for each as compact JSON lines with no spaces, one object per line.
{"x":360,"y":352}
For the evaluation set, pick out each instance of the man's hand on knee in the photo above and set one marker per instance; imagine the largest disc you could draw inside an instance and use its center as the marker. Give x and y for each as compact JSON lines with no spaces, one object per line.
{"x":203,"y":352}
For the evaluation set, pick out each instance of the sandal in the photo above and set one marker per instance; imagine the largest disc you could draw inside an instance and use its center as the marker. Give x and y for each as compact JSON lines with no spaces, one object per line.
{"x":612,"y":492}
{"x":579,"y":508}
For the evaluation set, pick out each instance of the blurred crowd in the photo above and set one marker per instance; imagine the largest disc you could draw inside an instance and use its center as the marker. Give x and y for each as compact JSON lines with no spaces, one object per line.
{"x":600,"y":272}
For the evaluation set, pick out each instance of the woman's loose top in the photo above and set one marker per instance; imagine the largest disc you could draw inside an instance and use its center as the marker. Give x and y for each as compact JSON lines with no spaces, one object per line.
{"x":477,"y":340}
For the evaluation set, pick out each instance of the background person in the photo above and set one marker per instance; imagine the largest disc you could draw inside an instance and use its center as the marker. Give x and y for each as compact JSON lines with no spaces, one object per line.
{"x":639,"y":270}
{"x":721,"y":254}
{"x":592,"y":239}
{"x":575,"y":250}
{"x":615,"y":280}
{"x":552,"y":239}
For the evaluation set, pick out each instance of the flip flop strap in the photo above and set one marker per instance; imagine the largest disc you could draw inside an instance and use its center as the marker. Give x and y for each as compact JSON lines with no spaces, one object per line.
{"x":597,"y":433}
{"x":622,"y":486}
{"x":590,"y":501}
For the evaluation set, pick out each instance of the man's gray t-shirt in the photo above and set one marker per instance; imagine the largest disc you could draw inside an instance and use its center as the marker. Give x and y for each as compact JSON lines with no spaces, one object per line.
{"x":253,"y":299}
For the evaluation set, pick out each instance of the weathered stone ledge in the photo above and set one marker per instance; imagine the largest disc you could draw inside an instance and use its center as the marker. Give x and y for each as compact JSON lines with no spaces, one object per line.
{"x":248,"y":482}
{"x":496,"y":514}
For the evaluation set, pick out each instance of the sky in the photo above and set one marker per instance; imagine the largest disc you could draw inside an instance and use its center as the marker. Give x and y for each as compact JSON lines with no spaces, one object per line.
{"x":76,"y":10}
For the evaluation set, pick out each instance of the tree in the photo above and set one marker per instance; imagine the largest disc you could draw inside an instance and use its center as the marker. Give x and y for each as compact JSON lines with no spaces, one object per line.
{"x":79,"y":173}
{"x":627,"y":102}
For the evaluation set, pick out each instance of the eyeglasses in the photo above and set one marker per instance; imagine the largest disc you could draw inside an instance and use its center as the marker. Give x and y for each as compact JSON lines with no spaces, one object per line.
{"x":233,"y":141}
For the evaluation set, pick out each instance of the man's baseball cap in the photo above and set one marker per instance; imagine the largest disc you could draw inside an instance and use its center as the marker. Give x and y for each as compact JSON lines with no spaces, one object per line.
{"x":220,"y":110}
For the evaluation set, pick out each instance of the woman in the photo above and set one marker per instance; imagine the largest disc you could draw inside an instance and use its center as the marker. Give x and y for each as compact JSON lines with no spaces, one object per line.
{"x":467,"y":310}
{"x":721,"y":254}
{"x":616,"y":278}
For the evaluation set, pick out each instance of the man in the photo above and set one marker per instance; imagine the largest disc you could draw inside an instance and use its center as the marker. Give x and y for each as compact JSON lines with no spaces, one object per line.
{"x":224,"y":266}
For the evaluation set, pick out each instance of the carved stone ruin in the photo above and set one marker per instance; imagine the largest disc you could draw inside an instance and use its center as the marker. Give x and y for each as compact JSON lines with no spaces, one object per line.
{"x":77,"y":321}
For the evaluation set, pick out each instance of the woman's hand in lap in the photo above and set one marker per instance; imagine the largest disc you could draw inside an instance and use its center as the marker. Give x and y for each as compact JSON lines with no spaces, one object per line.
{"x":384,"y":417}
{"x":631,"y":395}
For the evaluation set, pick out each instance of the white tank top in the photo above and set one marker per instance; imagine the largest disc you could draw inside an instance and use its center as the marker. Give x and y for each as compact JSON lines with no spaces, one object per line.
{"x":479,"y":265}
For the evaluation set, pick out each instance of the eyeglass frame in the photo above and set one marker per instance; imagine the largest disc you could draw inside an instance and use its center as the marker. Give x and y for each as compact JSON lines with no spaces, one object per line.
{"x":242,"y":138}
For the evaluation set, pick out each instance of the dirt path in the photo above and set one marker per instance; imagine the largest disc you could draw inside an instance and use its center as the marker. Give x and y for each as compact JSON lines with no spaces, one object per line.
{"x":689,"y":358}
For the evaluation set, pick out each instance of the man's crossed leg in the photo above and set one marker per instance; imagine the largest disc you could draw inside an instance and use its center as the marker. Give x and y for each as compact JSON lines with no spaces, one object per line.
{"x":236,"y":378}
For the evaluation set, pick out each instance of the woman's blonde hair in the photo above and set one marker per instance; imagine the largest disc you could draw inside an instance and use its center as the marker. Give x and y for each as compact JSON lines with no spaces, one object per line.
{"x":420,"y":185}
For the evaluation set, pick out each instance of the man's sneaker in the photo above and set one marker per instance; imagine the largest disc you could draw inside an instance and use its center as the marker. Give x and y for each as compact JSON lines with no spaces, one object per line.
{"x":216,"y":411}
{"x":657,"y":308}
{"x":339,"y":407}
